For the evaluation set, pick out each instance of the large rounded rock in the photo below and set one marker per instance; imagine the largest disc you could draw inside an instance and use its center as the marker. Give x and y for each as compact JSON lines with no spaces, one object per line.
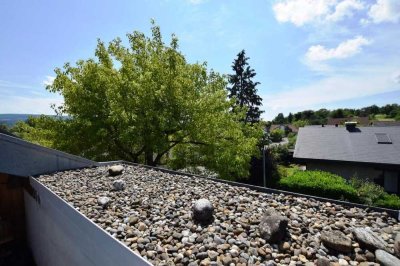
{"x":369,"y":239}
{"x":336,"y":240}
{"x":386,"y":259}
{"x":273,"y":226}
{"x":203,"y":211}
{"x":115,"y":170}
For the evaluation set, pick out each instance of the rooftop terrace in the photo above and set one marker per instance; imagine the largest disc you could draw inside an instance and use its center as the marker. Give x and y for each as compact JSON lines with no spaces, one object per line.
{"x":152,"y":215}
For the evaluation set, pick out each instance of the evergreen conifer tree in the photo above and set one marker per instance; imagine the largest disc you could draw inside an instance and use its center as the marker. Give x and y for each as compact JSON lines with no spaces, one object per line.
{"x":244,"y":88}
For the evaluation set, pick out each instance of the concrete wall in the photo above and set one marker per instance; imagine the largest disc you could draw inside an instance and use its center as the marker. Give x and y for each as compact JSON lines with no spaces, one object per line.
{"x":60,"y":235}
{"x":22,"y":158}
{"x":346,"y":170}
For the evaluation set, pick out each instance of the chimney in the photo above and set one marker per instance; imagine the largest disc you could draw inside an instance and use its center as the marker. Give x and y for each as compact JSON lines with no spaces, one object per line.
{"x":350,"y":126}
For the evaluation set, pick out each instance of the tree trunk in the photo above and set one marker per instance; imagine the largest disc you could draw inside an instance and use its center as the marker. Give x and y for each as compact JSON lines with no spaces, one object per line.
{"x":149,"y":158}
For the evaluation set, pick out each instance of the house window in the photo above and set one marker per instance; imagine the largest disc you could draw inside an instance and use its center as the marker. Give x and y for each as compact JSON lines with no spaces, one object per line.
{"x":391,"y":181}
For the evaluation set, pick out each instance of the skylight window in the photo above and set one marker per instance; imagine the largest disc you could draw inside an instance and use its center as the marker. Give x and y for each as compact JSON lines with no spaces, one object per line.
{"x":383,"y":138}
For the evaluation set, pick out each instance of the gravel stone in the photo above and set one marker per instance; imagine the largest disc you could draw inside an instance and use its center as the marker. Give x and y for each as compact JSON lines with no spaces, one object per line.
{"x":103,"y":201}
{"x":386,"y":259}
{"x":119,"y":184}
{"x":397,"y":245}
{"x":369,"y":239}
{"x":336,"y":240}
{"x":115,"y":170}
{"x":273,"y":226}
{"x":153,"y":216}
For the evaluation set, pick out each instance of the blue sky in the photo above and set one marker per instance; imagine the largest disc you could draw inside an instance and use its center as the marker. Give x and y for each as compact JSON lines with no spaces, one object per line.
{"x":308,"y":54}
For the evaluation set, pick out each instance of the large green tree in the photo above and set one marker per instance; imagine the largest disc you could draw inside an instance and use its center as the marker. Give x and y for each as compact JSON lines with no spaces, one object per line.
{"x":145,"y":103}
{"x":244,"y":90}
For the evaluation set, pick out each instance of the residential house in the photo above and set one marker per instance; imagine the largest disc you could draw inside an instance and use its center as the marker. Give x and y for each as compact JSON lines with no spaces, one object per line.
{"x":367,"y":152}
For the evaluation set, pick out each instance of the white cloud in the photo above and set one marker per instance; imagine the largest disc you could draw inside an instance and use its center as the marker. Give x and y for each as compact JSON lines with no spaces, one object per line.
{"x":345,"y":9}
{"x":343,"y":50}
{"x":385,"y":11}
{"x":301,"y":12}
{"x":49,"y":80}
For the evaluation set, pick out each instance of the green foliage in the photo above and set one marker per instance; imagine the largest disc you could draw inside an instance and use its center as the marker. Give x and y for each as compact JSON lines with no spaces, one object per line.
{"x":145,"y":103}
{"x":319,"y":183}
{"x":38,"y":130}
{"x":292,"y":137}
{"x":280,"y":154}
{"x":389,"y":201}
{"x":4,"y":127}
{"x":368,"y":192}
{"x":338,"y":113}
{"x":279,"y":119}
{"x":327,"y":185}
{"x":301,"y":123}
{"x":276,"y":135}
{"x":321,"y":116}
{"x":373,"y":194}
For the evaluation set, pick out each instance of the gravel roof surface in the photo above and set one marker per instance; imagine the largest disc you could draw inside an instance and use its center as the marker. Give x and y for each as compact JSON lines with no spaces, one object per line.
{"x":153,"y":216}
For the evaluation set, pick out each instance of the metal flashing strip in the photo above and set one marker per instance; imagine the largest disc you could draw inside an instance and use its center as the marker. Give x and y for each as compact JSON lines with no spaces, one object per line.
{"x":58,"y":234}
{"x":393,"y":213}
{"x":22,"y":158}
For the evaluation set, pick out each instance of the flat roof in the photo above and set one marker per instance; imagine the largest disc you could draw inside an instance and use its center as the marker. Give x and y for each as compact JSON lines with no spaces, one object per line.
{"x":152,"y":216}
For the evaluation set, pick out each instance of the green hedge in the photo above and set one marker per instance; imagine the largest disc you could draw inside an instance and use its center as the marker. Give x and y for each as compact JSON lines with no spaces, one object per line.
{"x":327,"y":185}
{"x":389,"y":201}
{"x":319,"y":183}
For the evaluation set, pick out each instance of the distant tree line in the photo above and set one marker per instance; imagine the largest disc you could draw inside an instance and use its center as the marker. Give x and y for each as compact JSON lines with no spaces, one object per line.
{"x":321,"y":116}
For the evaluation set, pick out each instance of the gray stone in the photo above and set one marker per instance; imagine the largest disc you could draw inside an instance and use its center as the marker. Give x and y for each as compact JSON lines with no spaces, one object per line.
{"x":177,"y":235}
{"x":218,"y":240}
{"x":322,"y":261}
{"x":142,"y":226}
{"x":386,"y":259}
{"x":119,"y":184}
{"x":103,"y":201}
{"x":397,"y":245}
{"x":369,"y":239}
{"x":336,"y":240}
{"x":133,"y":219}
{"x":212,"y":255}
{"x":201,"y":255}
{"x":227,"y":260}
{"x":203,"y":211}
{"x":273,"y":226}
{"x":115,"y":170}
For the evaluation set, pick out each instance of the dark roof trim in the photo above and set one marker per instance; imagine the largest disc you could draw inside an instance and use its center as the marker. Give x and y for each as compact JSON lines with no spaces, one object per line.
{"x":376,"y":165}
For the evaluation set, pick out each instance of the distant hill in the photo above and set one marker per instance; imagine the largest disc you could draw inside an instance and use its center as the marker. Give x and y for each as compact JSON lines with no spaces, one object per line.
{"x":11,"y":119}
